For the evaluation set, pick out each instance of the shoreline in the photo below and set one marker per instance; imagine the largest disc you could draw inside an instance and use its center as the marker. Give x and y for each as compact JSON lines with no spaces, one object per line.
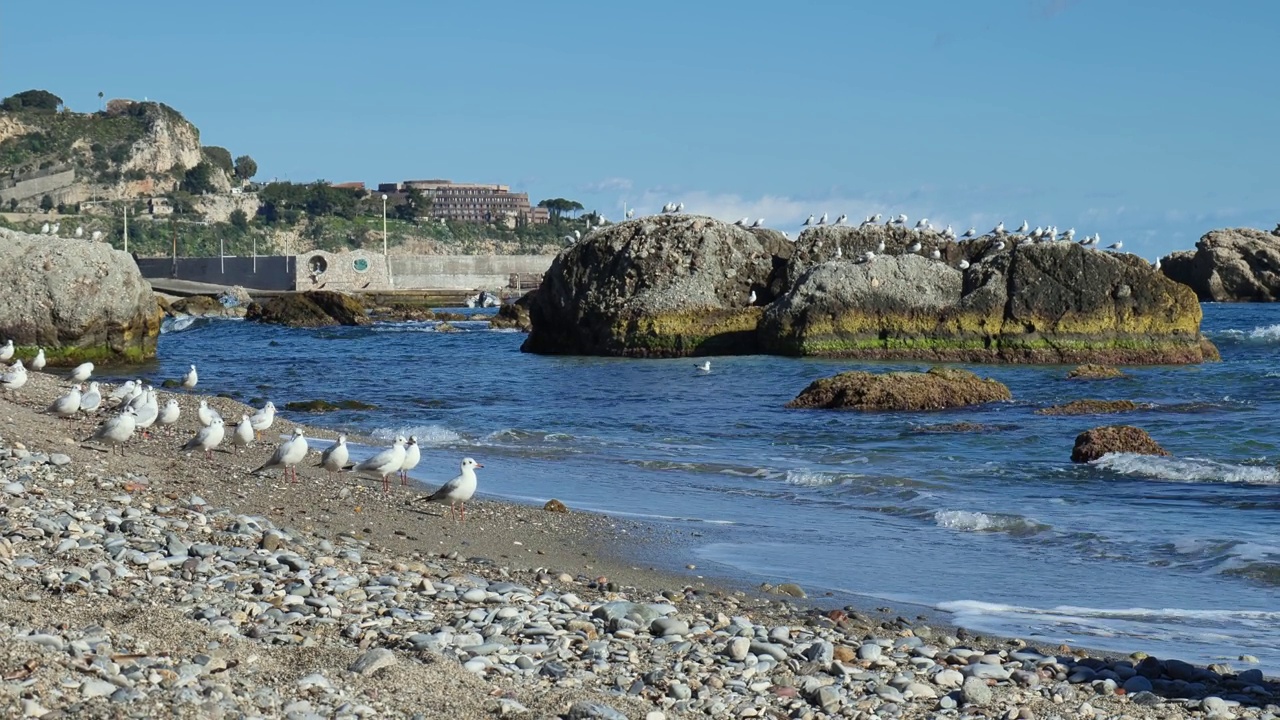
{"x":806,"y":657}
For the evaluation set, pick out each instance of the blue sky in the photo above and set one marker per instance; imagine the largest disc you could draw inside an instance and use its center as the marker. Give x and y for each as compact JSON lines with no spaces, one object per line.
{"x":1145,"y":120}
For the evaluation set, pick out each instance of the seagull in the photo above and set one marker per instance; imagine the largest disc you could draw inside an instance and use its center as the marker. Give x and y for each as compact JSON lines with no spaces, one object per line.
{"x":79,"y":231}
{"x":998,"y":229}
{"x":15,"y":377}
{"x":936,"y":254}
{"x":922,"y":224}
{"x":751,"y":299}
{"x":334,"y":457}
{"x":262,"y":419}
{"x":140,"y":399}
{"x":122,"y":394}
{"x":460,"y":489}
{"x":742,"y":223}
{"x":1024,"y":242}
{"x":6,"y":351}
{"x":96,"y":236}
{"x":1035,"y":234}
{"x":1157,"y":265}
{"x":668,"y":207}
{"x":998,"y":246}
{"x":190,"y":379}
{"x":963,"y":264}
{"x":841,"y":220}
{"x":44,"y":229}
{"x":206,"y":414}
{"x":68,"y":405}
{"x":705,"y":367}
{"x":91,"y":398}
{"x":54,"y":230}
{"x":1022,"y":228}
{"x":914,"y":248}
{"x":116,"y":430}
{"x":900,"y":220}
{"x":577,"y":235}
{"x":1115,"y":245}
{"x":949,"y":233}
{"x":82,"y":372}
{"x":970,"y":233}
{"x":822,"y":220}
{"x":384,"y":463}
{"x":288,"y":454}
{"x":243,"y":435}
{"x":207,"y":438}
{"x":411,"y":458}
{"x":37,"y":363}
{"x":759,"y":223}
{"x":839,"y":252}
{"x":147,"y":412}
{"x":880,"y":247}
{"x":1097,"y":238}
{"x":169,"y":413}
{"x":808,"y":222}
{"x":867,"y":256}
{"x":679,"y":207}
{"x":1069,"y":234}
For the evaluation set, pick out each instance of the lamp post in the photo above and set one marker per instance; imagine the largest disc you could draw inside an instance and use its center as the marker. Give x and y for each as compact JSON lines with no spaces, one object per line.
{"x":126,"y":229}
{"x":385,"y":259}
{"x":222,"y":255}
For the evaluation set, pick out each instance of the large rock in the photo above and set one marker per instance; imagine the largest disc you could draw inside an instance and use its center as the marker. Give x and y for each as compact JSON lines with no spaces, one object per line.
{"x":1093,"y":444}
{"x":660,"y":286}
{"x":936,"y":389}
{"x":314,"y":308}
{"x":1234,"y":265}
{"x":79,"y":300}
{"x":1045,"y":303}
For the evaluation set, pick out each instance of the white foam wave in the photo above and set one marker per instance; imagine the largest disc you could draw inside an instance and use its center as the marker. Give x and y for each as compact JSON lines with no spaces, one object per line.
{"x":1261,"y":335}
{"x":177,"y":324}
{"x":428,"y":435}
{"x":1076,"y":612}
{"x":1187,"y":469}
{"x":968,"y":521}
{"x":809,"y":478}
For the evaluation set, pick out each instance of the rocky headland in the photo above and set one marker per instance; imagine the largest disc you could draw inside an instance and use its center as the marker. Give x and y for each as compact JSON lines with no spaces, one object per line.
{"x":78,"y":300}
{"x":675,"y":285}
{"x":1230,"y":265}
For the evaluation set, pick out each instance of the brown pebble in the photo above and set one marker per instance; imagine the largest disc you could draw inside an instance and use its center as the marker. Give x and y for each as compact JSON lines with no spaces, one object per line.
{"x":555,"y":506}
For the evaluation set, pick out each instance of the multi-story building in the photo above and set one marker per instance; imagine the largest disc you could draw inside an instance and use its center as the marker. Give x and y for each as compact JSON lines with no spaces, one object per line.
{"x":472,"y":202}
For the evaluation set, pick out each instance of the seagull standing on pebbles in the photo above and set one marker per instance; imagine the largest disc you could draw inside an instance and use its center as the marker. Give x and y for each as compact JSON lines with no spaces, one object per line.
{"x":206,"y":414}
{"x":121,"y":394}
{"x":116,"y":430}
{"x":147,"y":412}
{"x":37,"y":364}
{"x":207,"y":439}
{"x":384,"y":463}
{"x":412,"y":455}
{"x":334,"y":457}
{"x":68,"y":405}
{"x":243,"y":436}
{"x":15,"y":377}
{"x":82,"y":372}
{"x":169,"y":413}
{"x":460,"y":489}
{"x":91,"y":398}
{"x":288,"y":454}
{"x":262,"y":419}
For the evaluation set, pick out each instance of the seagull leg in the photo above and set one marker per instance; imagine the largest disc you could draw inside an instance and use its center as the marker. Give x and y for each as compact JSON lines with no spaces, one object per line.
{"x":386,"y":484}
{"x":464,"y":512}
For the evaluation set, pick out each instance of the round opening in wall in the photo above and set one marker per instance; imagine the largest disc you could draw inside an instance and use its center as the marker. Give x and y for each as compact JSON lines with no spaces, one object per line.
{"x":317,"y":265}
{"x":360,"y":264}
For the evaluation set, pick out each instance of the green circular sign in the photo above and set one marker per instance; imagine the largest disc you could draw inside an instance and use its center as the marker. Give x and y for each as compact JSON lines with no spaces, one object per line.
{"x":360,"y":264}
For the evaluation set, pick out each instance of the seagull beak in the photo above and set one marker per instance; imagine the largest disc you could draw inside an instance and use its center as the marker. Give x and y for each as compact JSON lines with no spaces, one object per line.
{"x":479,"y":465}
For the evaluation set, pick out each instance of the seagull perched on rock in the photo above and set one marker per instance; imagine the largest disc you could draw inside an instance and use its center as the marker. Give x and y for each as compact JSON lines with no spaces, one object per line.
{"x":900,"y":220}
{"x":751,"y":298}
{"x":6,"y":351}
{"x":460,"y":489}
{"x":1156,"y":267}
{"x":742,"y":223}
{"x":1115,"y":245}
{"x":334,"y":457}
{"x":191,"y":378}
{"x":871,"y":219}
{"x":287,"y":455}
{"x":82,"y":372}
{"x":44,"y":229}
{"x":970,"y":233}
{"x":839,"y":252}
{"x":67,"y":405}
{"x":116,"y":430}
{"x":936,"y":254}
{"x":880,"y":247}
{"x":384,"y":463}
{"x":949,"y":233}
{"x":630,"y":213}
{"x":867,"y":257}
{"x":96,"y":236}
{"x":923,"y":224}
{"x":963,"y":264}
{"x":207,"y":438}
{"x":1069,"y":234}
{"x":679,"y":207}
{"x":841,"y":220}
{"x":759,"y":223}
{"x":1022,"y":228}
{"x":998,"y":246}
{"x":822,"y":220}
{"x":914,"y":247}
{"x":998,"y":229}
{"x":808,"y":221}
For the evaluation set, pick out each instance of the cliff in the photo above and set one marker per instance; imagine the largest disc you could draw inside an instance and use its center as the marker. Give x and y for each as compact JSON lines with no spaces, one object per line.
{"x":1231,"y":265}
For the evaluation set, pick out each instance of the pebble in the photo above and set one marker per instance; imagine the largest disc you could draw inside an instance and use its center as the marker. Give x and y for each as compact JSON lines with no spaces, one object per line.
{"x":976,"y":692}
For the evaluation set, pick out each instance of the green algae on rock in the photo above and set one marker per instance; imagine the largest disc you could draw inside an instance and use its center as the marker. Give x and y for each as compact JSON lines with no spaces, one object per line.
{"x":1093,"y":407}
{"x":937,"y":389}
{"x":1093,"y":444}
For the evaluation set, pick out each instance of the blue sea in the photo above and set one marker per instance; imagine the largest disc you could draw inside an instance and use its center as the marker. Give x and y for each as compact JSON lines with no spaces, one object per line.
{"x":996,"y":531}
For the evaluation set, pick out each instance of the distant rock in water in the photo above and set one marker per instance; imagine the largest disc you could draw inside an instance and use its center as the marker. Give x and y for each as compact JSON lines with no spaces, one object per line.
{"x":1094,"y":372}
{"x":514,"y":315}
{"x":205,"y":306}
{"x":79,"y":300}
{"x":937,"y":389}
{"x":314,"y":308}
{"x":1052,"y":302}
{"x":321,"y":405}
{"x":659,"y":286}
{"x":1093,"y":407}
{"x":1093,"y":444}
{"x":1232,"y":265}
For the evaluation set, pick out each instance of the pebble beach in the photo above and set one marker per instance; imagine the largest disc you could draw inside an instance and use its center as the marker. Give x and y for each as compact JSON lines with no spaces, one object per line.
{"x":162,"y":584}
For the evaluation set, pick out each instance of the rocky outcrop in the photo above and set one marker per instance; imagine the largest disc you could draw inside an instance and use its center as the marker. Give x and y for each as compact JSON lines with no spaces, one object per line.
{"x":936,"y":389}
{"x":1093,"y":444}
{"x":514,"y":315}
{"x":79,"y":300}
{"x":661,"y":286}
{"x":1093,"y":407}
{"x":1090,"y":371}
{"x":1234,"y":265}
{"x":1044,"y":303}
{"x":315,"y":308}
{"x":205,"y":306}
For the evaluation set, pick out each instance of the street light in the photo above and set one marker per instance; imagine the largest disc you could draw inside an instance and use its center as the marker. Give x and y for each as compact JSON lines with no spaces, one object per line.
{"x":384,"y":225}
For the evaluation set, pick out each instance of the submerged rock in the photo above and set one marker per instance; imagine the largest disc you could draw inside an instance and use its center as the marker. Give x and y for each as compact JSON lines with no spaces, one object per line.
{"x":1094,"y":372}
{"x":1093,"y":444}
{"x":205,"y":306}
{"x":515,"y":314}
{"x":1231,"y":265}
{"x":1093,"y":407}
{"x":319,"y":405}
{"x":314,"y":308}
{"x":1044,"y":303}
{"x":79,"y":300}
{"x":660,"y":286}
{"x":936,"y":389}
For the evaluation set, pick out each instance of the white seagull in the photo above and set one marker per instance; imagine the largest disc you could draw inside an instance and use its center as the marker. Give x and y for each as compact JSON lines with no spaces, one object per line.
{"x":122,"y":393}
{"x":44,"y":229}
{"x":191,"y":378}
{"x":206,"y":414}
{"x":15,"y":377}
{"x":6,"y":351}
{"x":287,"y":455}
{"x":262,"y":419}
{"x":970,"y":233}
{"x":79,"y":231}
{"x":914,"y":247}
{"x":631,"y":213}
{"x":148,"y":411}
{"x":96,"y":236}
{"x":91,"y":398}
{"x":169,"y":413}
{"x":334,"y":457}
{"x":759,"y":223}
{"x":37,"y":363}
{"x":116,"y":430}
{"x":808,"y":222}
{"x":1115,"y":245}
{"x":705,"y":367}
{"x":1023,"y":227}
{"x":900,"y":220}
{"x":68,"y":405}
{"x":998,"y":246}
{"x":384,"y":463}
{"x":751,"y":298}
{"x":243,"y":436}
{"x":412,"y":455}
{"x":82,"y":372}
{"x":936,"y":254}
{"x":841,"y":220}
{"x":998,"y":229}
{"x":822,"y":220}
{"x":742,"y":222}
{"x":207,"y":438}
{"x":963,"y":264}
{"x":460,"y":489}
{"x":867,"y":256}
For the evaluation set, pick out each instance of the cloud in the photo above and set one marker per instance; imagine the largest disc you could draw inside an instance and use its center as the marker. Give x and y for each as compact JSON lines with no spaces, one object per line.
{"x":616,"y":184}
{"x":1053,"y":8}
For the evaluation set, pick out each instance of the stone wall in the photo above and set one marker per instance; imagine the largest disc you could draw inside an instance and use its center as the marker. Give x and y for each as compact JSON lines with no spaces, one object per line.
{"x":33,"y":189}
{"x":264,"y":273}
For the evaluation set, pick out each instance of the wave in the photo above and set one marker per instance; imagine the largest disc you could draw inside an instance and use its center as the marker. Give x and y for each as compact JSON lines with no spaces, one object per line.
{"x":428,"y":435}
{"x":968,"y":521}
{"x":1188,"y":470}
{"x":177,"y":324}
{"x":530,"y":437}
{"x":1261,"y":335}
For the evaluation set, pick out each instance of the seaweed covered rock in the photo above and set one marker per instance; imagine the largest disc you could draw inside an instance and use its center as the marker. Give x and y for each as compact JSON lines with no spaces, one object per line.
{"x":79,"y":300}
{"x":1042,"y":303}
{"x":1090,"y":371}
{"x":659,"y":286}
{"x":514,"y":315}
{"x":1093,"y":407}
{"x":1093,"y":444}
{"x":314,"y":308}
{"x":1231,"y":265}
{"x":205,"y":306}
{"x":937,"y":389}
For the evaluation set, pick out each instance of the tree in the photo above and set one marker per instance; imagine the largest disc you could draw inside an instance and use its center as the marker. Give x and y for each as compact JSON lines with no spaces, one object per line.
{"x":239,"y":219}
{"x":100,"y":100}
{"x":13,"y":204}
{"x":46,"y":203}
{"x":559,"y":207}
{"x":34,"y":100}
{"x":245,"y":167}
{"x":415,"y":205}
{"x":199,"y":179}
{"x":220,"y":157}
